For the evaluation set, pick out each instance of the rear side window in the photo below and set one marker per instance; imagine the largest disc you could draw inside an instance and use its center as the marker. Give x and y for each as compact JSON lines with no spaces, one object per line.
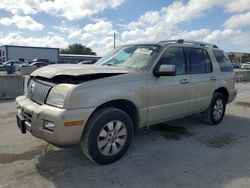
{"x":223,"y":61}
{"x":197,"y":63}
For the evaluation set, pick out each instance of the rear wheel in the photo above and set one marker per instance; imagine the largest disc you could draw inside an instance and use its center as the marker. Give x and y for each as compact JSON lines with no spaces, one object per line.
{"x":107,"y":136}
{"x":215,"y":113}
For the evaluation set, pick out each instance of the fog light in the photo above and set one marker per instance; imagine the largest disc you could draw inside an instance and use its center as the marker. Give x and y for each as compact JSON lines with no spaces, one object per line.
{"x":49,"y":125}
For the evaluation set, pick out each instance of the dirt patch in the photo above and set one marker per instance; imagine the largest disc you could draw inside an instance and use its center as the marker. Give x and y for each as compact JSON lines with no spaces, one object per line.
{"x":28,"y":155}
{"x":244,"y":104}
{"x":173,"y":132}
{"x":221,"y":141}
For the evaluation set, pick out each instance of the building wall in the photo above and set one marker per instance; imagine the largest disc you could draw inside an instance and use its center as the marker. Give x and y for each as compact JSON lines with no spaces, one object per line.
{"x":30,"y":53}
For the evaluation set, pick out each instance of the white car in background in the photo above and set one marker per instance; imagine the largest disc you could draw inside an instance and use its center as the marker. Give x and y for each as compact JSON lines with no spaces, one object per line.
{"x":245,"y":65}
{"x":15,"y":63}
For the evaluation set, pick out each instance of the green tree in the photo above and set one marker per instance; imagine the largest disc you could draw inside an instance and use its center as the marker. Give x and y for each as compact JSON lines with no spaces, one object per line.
{"x":77,"y":49}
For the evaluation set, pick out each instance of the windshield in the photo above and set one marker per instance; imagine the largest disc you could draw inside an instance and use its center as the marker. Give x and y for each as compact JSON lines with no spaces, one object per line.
{"x":133,"y":56}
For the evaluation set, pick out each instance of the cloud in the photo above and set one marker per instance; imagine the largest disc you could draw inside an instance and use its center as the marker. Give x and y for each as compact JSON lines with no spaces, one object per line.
{"x":227,"y":36}
{"x":46,"y":41}
{"x":72,"y":10}
{"x":192,"y":35}
{"x":165,"y":23}
{"x":238,"y":20}
{"x":98,"y":28}
{"x":20,"y":6}
{"x":101,"y":46}
{"x":101,"y":27}
{"x":236,"y":6}
{"x":97,"y":35}
{"x":227,"y":39}
{"x":22,"y":22}
{"x":160,"y":25}
{"x":77,"y":9}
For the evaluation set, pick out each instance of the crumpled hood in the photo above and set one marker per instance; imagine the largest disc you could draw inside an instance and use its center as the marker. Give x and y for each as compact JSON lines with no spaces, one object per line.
{"x":78,"y":70}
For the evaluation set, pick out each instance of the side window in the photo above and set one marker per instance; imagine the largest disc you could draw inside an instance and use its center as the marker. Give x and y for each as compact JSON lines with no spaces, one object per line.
{"x":223,"y":61}
{"x":209,"y":67}
{"x":197,"y":63}
{"x":174,"y":56}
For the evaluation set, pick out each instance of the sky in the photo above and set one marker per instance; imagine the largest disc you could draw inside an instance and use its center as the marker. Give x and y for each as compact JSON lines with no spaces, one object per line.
{"x":58,"y":23}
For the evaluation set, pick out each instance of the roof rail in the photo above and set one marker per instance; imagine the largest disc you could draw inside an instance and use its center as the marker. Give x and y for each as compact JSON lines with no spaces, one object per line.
{"x":182,"y":41}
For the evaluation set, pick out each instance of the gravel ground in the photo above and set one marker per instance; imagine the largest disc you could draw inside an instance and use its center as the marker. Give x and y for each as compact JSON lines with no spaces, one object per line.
{"x":181,"y":153}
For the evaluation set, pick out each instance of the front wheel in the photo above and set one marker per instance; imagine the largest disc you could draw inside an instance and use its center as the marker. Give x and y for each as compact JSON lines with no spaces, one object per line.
{"x":107,"y":136}
{"x":215,"y":113}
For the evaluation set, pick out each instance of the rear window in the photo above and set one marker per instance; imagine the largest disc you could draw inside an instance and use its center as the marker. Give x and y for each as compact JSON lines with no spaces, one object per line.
{"x":223,"y":61}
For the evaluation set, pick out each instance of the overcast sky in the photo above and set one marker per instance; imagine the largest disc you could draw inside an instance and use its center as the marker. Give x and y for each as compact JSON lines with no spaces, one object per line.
{"x":59,"y":23}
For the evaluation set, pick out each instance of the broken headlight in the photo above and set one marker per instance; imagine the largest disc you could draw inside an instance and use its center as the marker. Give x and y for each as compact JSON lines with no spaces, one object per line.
{"x":58,"y":94}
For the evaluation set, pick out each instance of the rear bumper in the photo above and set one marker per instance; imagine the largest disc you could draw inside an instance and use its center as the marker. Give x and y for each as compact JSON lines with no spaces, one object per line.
{"x":232,"y":95}
{"x":35,"y":116}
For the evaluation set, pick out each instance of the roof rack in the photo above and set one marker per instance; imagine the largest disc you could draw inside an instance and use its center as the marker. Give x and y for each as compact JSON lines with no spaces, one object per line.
{"x":182,"y":41}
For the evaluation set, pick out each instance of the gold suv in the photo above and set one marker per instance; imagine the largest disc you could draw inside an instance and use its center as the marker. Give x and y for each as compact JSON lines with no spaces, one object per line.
{"x":100,"y":106}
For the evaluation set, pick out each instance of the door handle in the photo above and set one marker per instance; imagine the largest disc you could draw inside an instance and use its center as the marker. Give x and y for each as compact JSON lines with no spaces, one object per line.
{"x":212,"y":78}
{"x":184,"y":81}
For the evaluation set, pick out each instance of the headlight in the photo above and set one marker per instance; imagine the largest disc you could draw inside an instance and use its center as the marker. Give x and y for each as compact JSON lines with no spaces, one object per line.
{"x":58,"y":94}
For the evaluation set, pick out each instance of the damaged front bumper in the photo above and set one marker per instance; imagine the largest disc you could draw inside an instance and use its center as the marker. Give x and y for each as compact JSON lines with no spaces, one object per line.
{"x":68,"y":123}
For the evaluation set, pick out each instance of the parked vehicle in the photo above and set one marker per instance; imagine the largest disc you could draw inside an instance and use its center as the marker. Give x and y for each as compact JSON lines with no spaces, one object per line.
{"x":87,"y":62}
{"x":100,"y":106}
{"x":245,"y":65}
{"x":38,"y":64}
{"x":40,"y":60}
{"x":15,"y":63}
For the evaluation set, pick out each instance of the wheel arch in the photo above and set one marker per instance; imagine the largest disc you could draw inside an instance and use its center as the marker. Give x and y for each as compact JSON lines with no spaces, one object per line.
{"x":223,"y":91}
{"x":124,"y":105}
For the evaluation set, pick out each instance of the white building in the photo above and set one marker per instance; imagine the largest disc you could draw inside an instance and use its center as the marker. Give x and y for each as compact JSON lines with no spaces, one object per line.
{"x":28,"y":53}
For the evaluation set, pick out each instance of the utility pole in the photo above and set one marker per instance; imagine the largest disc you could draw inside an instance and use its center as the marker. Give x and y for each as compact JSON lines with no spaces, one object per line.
{"x":114,"y":39}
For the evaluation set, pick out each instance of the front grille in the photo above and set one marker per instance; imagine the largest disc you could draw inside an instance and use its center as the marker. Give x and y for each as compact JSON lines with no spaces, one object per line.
{"x":38,"y":90}
{"x":27,"y":116}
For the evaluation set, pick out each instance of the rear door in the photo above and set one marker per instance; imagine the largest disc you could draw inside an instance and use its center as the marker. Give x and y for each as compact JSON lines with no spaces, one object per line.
{"x":202,"y":81}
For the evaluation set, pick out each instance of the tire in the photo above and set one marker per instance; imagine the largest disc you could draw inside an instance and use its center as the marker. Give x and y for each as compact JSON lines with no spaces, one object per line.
{"x":215,"y":113}
{"x":107,"y":135}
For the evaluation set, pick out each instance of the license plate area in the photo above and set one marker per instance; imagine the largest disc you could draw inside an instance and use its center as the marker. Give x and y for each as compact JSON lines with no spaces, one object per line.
{"x":21,"y":123}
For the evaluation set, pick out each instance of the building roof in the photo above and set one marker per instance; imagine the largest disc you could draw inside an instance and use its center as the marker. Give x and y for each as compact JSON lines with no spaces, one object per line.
{"x":77,"y":55}
{"x":16,"y":46}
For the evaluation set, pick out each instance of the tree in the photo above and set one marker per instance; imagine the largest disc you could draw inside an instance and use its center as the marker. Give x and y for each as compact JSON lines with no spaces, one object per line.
{"x":77,"y":49}
{"x":232,"y":57}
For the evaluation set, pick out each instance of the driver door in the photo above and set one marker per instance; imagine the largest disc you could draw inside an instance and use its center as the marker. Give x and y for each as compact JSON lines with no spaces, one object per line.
{"x":169,"y":96}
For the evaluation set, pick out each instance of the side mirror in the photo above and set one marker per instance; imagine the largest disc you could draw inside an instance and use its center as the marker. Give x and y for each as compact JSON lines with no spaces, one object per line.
{"x":165,"y":70}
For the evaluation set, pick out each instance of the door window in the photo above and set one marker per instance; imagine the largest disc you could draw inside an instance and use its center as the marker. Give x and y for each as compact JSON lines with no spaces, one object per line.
{"x":209,"y":67}
{"x":197,"y":64}
{"x":174,"y":56}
